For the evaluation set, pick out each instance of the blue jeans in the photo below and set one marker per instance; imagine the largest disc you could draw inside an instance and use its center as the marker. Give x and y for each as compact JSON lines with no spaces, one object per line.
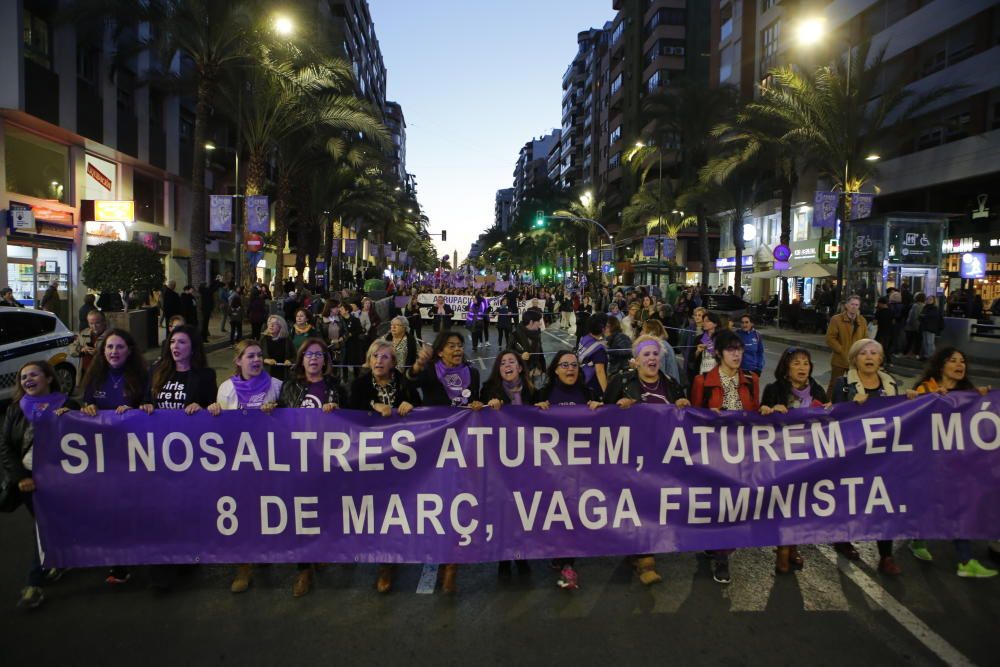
{"x":928,"y":346}
{"x":36,"y":575}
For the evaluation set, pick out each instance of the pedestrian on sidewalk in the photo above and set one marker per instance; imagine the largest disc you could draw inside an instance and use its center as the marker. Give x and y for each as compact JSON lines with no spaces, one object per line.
{"x":237,"y":311}
{"x":931,"y":324}
{"x":845,"y":329}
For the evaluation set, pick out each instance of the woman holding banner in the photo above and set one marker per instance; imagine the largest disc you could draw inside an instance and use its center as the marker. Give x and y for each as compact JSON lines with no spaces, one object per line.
{"x":446,"y":379}
{"x":793,"y":387}
{"x":311,"y":385}
{"x":250,"y":388}
{"x":646,"y":384}
{"x":727,"y":386}
{"x":37,"y":393}
{"x":382,"y":388}
{"x":566,"y":386}
{"x":115,"y":381}
{"x":946,"y":372}
{"x":865,"y":378}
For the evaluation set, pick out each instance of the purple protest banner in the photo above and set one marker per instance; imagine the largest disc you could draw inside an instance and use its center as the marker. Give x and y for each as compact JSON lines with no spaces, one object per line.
{"x":443,"y":485}
{"x":825,"y":209}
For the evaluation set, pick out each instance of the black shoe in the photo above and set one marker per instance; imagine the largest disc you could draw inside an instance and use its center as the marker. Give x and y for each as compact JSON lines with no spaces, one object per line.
{"x":720,"y":571}
{"x":847,"y":550}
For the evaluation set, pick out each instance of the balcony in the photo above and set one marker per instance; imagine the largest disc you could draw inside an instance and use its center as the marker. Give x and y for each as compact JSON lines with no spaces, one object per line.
{"x":663,"y":31}
{"x":89,"y":111}
{"x":41,"y":92}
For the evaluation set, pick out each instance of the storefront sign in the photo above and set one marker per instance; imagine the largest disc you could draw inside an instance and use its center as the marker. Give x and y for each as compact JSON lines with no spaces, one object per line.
{"x":101,"y":174}
{"x":102,"y":232}
{"x":164,"y":243}
{"x":148,"y":239}
{"x":114,"y":211}
{"x":730,"y":262}
{"x":804,"y":253}
{"x":981,"y":212}
{"x":22,"y":220}
{"x":956,"y":246}
{"x":973,"y":265}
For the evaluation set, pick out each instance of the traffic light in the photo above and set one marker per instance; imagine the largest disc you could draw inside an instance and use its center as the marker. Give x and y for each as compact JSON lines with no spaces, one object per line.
{"x":539,"y":218}
{"x":444,"y":234}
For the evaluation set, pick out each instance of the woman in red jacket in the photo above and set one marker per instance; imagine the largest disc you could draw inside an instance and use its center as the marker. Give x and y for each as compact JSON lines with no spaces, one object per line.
{"x":726,"y":387}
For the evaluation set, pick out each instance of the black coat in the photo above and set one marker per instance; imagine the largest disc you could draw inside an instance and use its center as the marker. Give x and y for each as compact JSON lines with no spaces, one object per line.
{"x":441,"y":322}
{"x":434,"y":394}
{"x":494,"y":389}
{"x":780,"y":391}
{"x":363,"y":392}
{"x":16,"y":438}
{"x":292,"y":392}
{"x":170,"y":302}
{"x":628,"y":385}
{"x":522,"y":341}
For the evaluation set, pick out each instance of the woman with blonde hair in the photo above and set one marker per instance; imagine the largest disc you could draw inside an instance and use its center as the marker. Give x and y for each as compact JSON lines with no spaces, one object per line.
{"x":277,"y":347}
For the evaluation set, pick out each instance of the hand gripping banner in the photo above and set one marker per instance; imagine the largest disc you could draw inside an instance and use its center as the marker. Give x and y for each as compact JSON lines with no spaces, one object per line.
{"x":444,"y":485}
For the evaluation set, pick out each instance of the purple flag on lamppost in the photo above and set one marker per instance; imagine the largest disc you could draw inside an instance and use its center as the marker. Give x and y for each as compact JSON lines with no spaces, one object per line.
{"x":649,"y":246}
{"x":825,"y":209}
{"x":350,"y":247}
{"x":258,"y":214}
{"x":861,"y":205}
{"x":220,"y":217}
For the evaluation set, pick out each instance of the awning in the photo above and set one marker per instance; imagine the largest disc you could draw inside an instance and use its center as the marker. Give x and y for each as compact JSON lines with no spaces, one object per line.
{"x":812,"y":270}
{"x":767,"y":274}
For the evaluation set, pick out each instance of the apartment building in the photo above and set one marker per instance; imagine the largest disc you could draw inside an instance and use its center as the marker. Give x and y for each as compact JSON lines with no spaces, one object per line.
{"x":945,"y":161}
{"x":502,"y":209}
{"x":532,"y":167}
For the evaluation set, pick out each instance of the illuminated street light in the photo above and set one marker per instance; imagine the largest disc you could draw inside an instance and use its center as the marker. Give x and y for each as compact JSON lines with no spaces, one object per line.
{"x":283,"y":26}
{"x":209,"y":146}
{"x":811,"y":31}
{"x":873,"y":157}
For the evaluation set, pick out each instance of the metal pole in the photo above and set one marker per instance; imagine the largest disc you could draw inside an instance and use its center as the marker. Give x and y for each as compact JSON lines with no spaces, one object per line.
{"x":237,"y":269}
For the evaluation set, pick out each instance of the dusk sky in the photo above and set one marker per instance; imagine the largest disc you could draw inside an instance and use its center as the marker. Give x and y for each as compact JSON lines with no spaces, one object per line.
{"x":476,"y":80}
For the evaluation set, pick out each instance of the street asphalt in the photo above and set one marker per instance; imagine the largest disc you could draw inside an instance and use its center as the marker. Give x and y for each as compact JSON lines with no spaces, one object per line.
{"x":833,"y":612}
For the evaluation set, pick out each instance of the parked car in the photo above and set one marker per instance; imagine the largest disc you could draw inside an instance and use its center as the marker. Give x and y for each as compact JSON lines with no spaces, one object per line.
{"x":35,"y":335}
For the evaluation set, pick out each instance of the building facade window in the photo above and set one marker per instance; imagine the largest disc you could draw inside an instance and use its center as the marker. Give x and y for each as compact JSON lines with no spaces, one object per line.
{"x":147,"y":192}
{"x":666,"y":16}
{"x":616,"y":85}
{"x":37,"y":36}
{"x":616,"y":134}
{"x":36,"y":167}
{"x":615,"y":161}
{"x":769,"y":46}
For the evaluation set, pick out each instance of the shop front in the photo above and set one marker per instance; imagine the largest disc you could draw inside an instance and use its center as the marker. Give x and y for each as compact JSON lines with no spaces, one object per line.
{"x":726,"y":267}
{"x":39,"y":253}
{"x":901,"y":251}
{"x":973,"y":262}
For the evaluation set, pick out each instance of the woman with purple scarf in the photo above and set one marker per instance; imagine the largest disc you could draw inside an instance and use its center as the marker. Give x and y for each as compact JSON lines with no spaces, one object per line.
{"x":444,"y":378}
{"x":250,"y":388}
{"x":116,"y":380}
{"x":37,"y":393}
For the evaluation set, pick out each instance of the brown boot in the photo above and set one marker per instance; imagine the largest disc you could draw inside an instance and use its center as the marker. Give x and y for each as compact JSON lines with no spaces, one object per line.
{"x":241,"y":582}
{"x":645,"y":567}
{"x":303,"y":584}
{"x":795,"y":558}
{"x":448,"y":574}
{"x":384,"y":583}
{"x":781,"y":561}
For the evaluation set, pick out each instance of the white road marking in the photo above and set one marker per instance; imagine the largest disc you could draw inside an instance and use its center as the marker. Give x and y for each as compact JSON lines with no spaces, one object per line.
{"x":428,"y":580}
{"x":920,"y":630}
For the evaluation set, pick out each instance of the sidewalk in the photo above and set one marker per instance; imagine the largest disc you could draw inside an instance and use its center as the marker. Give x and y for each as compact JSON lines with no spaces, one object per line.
{"x":978,"y":372}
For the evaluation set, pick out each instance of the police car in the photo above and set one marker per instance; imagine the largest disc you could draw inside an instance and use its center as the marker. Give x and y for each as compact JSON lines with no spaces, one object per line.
{"x":34,"y":335}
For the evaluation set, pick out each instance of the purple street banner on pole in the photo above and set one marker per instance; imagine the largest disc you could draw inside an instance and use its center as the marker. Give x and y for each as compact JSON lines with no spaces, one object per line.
{"x":220,"y":218}
{"x":825,"y":209}
{"x":350,"y":247}
{"x":258,"y":214}
{"x":649,"y":246}
{"x":861,"y":205}
{"x":445,"y":485}
{"x":335,"y":247}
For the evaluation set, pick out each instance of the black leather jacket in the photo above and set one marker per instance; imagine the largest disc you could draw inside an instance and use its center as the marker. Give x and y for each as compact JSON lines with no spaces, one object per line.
{"x":16,"y":438}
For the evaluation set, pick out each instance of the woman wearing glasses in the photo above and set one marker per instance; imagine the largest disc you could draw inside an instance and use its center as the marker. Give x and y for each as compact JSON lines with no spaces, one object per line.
{"x":446,"y":379}
{"x":311,"y":385}
{"x":566,"y":386}
{"x":647,"y":383}
{"x":381,"y":387}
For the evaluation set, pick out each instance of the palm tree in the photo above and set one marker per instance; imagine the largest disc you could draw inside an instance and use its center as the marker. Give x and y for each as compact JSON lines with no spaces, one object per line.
{"x":583,"y":209}
{"x":684,"y":118}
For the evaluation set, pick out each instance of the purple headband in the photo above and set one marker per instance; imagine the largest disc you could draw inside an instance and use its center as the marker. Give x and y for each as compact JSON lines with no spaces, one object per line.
{"x":645,"y":343}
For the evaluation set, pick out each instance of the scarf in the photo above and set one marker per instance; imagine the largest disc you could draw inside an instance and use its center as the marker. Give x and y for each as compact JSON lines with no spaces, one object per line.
{"x":253,"y":392}
{"x":386,"y":392}
{"x":709,"y":344}
{"x":803,"y":396}
{"x":34,"y":407}
{"x":513,"y":391}
{"x":455,"y":381}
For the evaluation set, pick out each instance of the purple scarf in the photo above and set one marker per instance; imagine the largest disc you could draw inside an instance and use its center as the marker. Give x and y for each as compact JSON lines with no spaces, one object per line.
{"x":513,"y":391}
{"x":804,"y":396}
{"x":455,"y":381}
{"x":709,"y":344}
{"x":34,"y":407}
{"x":253,"y":392}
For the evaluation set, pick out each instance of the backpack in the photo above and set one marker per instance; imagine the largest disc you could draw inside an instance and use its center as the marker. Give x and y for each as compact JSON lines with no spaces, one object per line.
{"x":584,"y":354}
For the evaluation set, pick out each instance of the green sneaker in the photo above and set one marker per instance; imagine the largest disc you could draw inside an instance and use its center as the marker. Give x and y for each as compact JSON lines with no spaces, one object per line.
{"x":974,"y":570}
{"x":919,"y":550}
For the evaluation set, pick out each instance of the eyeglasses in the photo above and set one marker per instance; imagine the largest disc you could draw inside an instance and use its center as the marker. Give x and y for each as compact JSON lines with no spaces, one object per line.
{"x":313,"y":355}
{"x":567,"y":365}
